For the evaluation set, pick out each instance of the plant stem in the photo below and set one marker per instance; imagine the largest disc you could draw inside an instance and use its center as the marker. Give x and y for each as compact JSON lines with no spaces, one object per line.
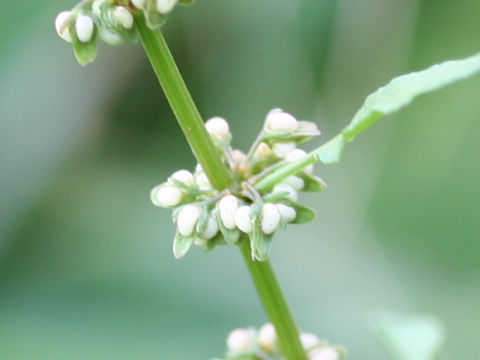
{"x":274,"y":304}
{"x":182,"y":105}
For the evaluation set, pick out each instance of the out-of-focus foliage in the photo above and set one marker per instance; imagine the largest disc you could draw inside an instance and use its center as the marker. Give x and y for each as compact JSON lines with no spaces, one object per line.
{"x":86,"y":268}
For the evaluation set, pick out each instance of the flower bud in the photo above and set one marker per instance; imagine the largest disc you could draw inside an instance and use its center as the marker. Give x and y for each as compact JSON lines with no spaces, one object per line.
{"x":242,"y":219}
{"x":61,"y":25}
{"x":202,"y":182}
{"x":238,"y":156}
{"x":139,"y":4}
{"x":165,"y":6}
{"x":298,"y":154}
{"x":187,"y":219}
{"x":286,"y":212}
{"x":240,"y":340}
{"x":294,"y":181}
{"x":123,"y":16}
{"x":84,"y":27}
{"x":309,"y":340}
{"x":324,"y":353}
{"x":267,"y":336}
{"x":227,"y":206}
{"x":211,"y":229}
{"x":184,"y":176}
{"x":291,"y":192}
{"x":218,"y":127}
{"x":166,"y":196}
{"x":96,"y":7}
{"x":270,"y":218}
{"x":263,"y":150}
{"x":110,"y":37}
{"x":278,"y":120}
{"x":282,"y":148}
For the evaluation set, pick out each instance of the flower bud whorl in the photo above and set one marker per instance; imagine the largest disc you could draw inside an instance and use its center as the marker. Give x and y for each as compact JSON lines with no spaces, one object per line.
{"x":278,"y":120}
{"x":267,"y":336}
{"x":211,"y":229}
{"x":187,"y":219}
{"x":61,"y":25}
{"x":84,"y":27}
{"x":270,"y":218}
{"x":240,"y":340}
{"x":242,"y":219}
{"x":184,"y":176}
{"x":218,"y":127}
{"x":291,"y":192}
{"x":324,"y":353}
{"x":228,"y":206}
{"x":282,"y":148}
{"x":123,"y":16}
{"x":286,"y":212}
{"x":166,"y":196}
{"x":294,"y":181}
{"x":298,"y":154}
{"x":139,"y":4}
{"x":165,"y":6}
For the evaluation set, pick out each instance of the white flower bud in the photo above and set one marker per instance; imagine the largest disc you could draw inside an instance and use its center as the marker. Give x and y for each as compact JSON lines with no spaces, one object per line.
{"x":309,"y":340}
{"x":242,"y":219}
{"x":291,"y":192}
{"x":165,"y":6}
{"x":267,"y":336}
{"x":61,"y":25}
{"x":96,"y":7}
{"x":238,"y":156}
{"x":286,"y":212}
{"x":270,"y":218}
{"x":166,"y":196}
{"x":184,"y":176}
{"x":263,"y":150}
{"x":282,"y":148}
{"x":227,"y":206}
{"x":218,"y":127}
{"x":211,"y":229}
{"x":84,"y":27}
{"x":278,"y":120}
{"x":123,"y":16}
{"x":187,"y":219}
{"x":240,"y":340}
{"x":110,"y":37}
{"x":139,"y":4}
{"x":294,"y":181}
{"x":325,"y":353}
{"x":202,"y":182}
{"x":298,"y":154}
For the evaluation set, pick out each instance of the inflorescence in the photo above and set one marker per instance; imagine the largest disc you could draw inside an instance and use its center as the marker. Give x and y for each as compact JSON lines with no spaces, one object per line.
{"x":262,"y":344}
{"x":206,"y":217}
{"x":110,"y":20}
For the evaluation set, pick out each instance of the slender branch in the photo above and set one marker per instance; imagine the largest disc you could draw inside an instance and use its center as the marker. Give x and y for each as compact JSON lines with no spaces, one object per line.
{"x":274,"y":304}
{"x":182,"y":105}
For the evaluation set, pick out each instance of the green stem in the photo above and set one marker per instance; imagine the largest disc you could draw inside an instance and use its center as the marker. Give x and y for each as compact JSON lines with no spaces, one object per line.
{"x":182,"y":105}
{"x":275,"y":305}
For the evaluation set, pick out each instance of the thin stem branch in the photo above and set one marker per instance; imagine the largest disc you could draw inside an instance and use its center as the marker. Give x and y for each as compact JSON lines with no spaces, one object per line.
{"x":182,"y":105}
{"x":274,"y":304}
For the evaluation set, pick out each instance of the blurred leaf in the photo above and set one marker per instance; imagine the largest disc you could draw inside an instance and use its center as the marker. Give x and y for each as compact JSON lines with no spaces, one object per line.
{"x":398,"y":93}
{"x":181,"y":245}
{"x":409,"y":337}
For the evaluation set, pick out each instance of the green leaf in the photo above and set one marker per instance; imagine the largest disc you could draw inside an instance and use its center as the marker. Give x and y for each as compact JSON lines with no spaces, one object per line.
{"x":304,"y":214}
{"x":230,"y":236}
{"x":312,"y":183}
{"x":259,"y":242}
{"x":409,"y":337}
{"x":181,"y":245}
{"x":397,"y":94}
{"x":84,"y":52}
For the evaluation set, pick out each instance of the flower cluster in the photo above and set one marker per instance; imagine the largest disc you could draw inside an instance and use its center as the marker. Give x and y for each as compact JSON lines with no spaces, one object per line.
{"x":253,"y":344}
{"x":110,"y":20}
{"x":206,"y":217}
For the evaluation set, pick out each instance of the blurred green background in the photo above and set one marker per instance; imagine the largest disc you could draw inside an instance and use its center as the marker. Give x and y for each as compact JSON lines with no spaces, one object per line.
{"x":86,"y":270}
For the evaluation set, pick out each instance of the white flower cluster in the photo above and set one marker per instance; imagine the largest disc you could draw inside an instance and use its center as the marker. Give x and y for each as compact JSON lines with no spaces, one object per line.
{"x":252,"y":344}
{"x":110,"y":20}
{"x":206,"y":217}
